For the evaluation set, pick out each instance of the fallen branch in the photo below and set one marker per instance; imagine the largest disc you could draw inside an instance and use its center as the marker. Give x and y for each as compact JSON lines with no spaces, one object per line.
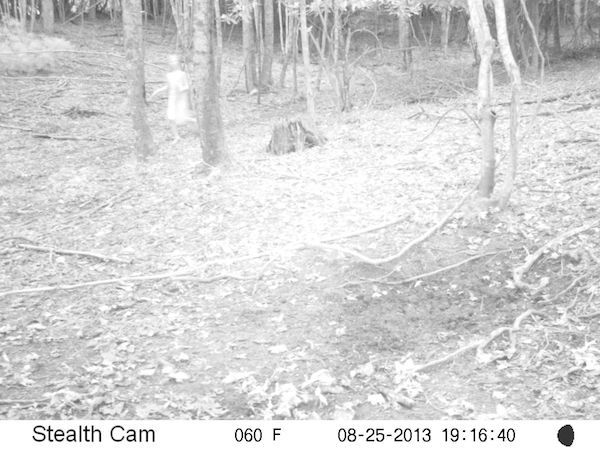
{"x":565,"y":290}
{"x":60,"y":251}
{"x":187,"y":273}
{"x":520,"y":271}
{"x":460,"y":351}
{"x":564,"y":374}
{"x":17,"y":238}
{"x":405,"y":249}
{"x":551,"y":99}
{"x":9,"y":401}
{"x":589,"y":316}
{"x":223,"y":276}
{"x":366,"y":230}
{"x":110,"y":202}
{"x":14,"y":127}
{"x":482,"y":343}
{"x":177,"y":274}
{"x":585,"y":173}
{"x":69,"y":138}
{"x":438,"y":271}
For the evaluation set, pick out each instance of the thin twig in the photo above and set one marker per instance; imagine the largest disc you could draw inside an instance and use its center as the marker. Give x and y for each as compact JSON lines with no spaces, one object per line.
{"x":366,"y":230}
{"x":69,"y":138}
{"x":14,"y":127}
{"x":520,"y":271}
{"x":440,"y":270}
{"x":482,"y":343}
{"x":181,"y":274}
{"x":444,"y":115}
{"x":9,"y":401}
{"x":589,"y":316}
{"x":565,"y":290}
{"x":585,"y":173}
{"x":405,"y":249}
{"x":60,"y":251}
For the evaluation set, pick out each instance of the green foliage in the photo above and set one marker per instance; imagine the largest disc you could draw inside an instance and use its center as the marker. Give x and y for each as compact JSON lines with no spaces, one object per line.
{"x":22,"y":52}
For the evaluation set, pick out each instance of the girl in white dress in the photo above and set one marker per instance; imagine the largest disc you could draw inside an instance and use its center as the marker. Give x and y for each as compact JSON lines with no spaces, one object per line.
{"x":178,"y":104}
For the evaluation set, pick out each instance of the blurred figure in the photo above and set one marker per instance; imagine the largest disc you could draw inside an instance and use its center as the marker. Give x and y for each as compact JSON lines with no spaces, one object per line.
{"x":178,"y":105}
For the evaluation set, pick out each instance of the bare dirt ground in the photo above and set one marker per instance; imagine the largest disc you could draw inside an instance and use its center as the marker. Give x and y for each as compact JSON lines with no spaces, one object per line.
{"x":285,"y":332}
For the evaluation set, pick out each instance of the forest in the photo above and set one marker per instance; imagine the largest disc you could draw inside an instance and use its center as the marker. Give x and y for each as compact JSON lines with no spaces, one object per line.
{"x":299,"y":209}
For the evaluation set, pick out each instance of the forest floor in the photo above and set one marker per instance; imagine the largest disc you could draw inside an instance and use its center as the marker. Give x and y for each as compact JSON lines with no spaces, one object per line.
{"x":258,"y":326}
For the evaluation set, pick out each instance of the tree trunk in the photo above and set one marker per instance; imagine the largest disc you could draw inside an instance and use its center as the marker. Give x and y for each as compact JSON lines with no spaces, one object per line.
{"x":514,"y":29}
{"x":267,"y":62}
{"x":155,"y":11}
{"x":577,"y":22}
{"x":219,"y":37}
{"x":404,"y":31}
{"x":61,"y":11}
{"x":487,"y":117}
{"x":335,"y":47}
{"x":534,"y":15}
{"x":556,"y":25}
{"x":445,"y":31}
{"x":285,"y":42}
{"x":294,"y":54}
{"x":473,"y":43}
{"x":48,"y":16}
{"x":515,"y":82}
{"x":92,"y":10}
{"x":258,"y":29}
{"x":248,"y":45}
{"x":310,"y":99}
{"x":23,"y":14}
{"x":134,"y":55}
{"x":206,"y":87}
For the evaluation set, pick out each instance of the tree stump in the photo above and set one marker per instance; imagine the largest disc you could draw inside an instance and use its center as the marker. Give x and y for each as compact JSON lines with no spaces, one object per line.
{"x":292,"y":136}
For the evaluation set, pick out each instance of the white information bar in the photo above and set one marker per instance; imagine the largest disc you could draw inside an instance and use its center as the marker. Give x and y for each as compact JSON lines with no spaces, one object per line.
{"x":305,"y":435}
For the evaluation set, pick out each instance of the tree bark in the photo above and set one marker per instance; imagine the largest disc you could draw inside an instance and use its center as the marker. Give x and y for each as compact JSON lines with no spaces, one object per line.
{"x":48,"y":16}
{"x":534,"y":15}
{"x":134,"y":54}
{"x":335,"y":45}
{"x":577,"y":22}
{"x":23,"y":14}
{"x":487,"y":117}
{"x":61,"y":11}
{"x":267,"y":62}
{"x":556,"y":23}
{"x":310,"y":99}
{"x":515,"y":82}
{"x":206,"y":87}
{"x":92,"y":10}
{"x":446,"y":14}
{"x":219,"y":37}
{"x":404,"y":30}
{"x":248,"y":45}
{"x":260,"y":44}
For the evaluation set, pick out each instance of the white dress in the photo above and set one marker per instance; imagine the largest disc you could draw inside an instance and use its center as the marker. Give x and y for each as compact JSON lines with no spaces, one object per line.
{"x":178,"y":107}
